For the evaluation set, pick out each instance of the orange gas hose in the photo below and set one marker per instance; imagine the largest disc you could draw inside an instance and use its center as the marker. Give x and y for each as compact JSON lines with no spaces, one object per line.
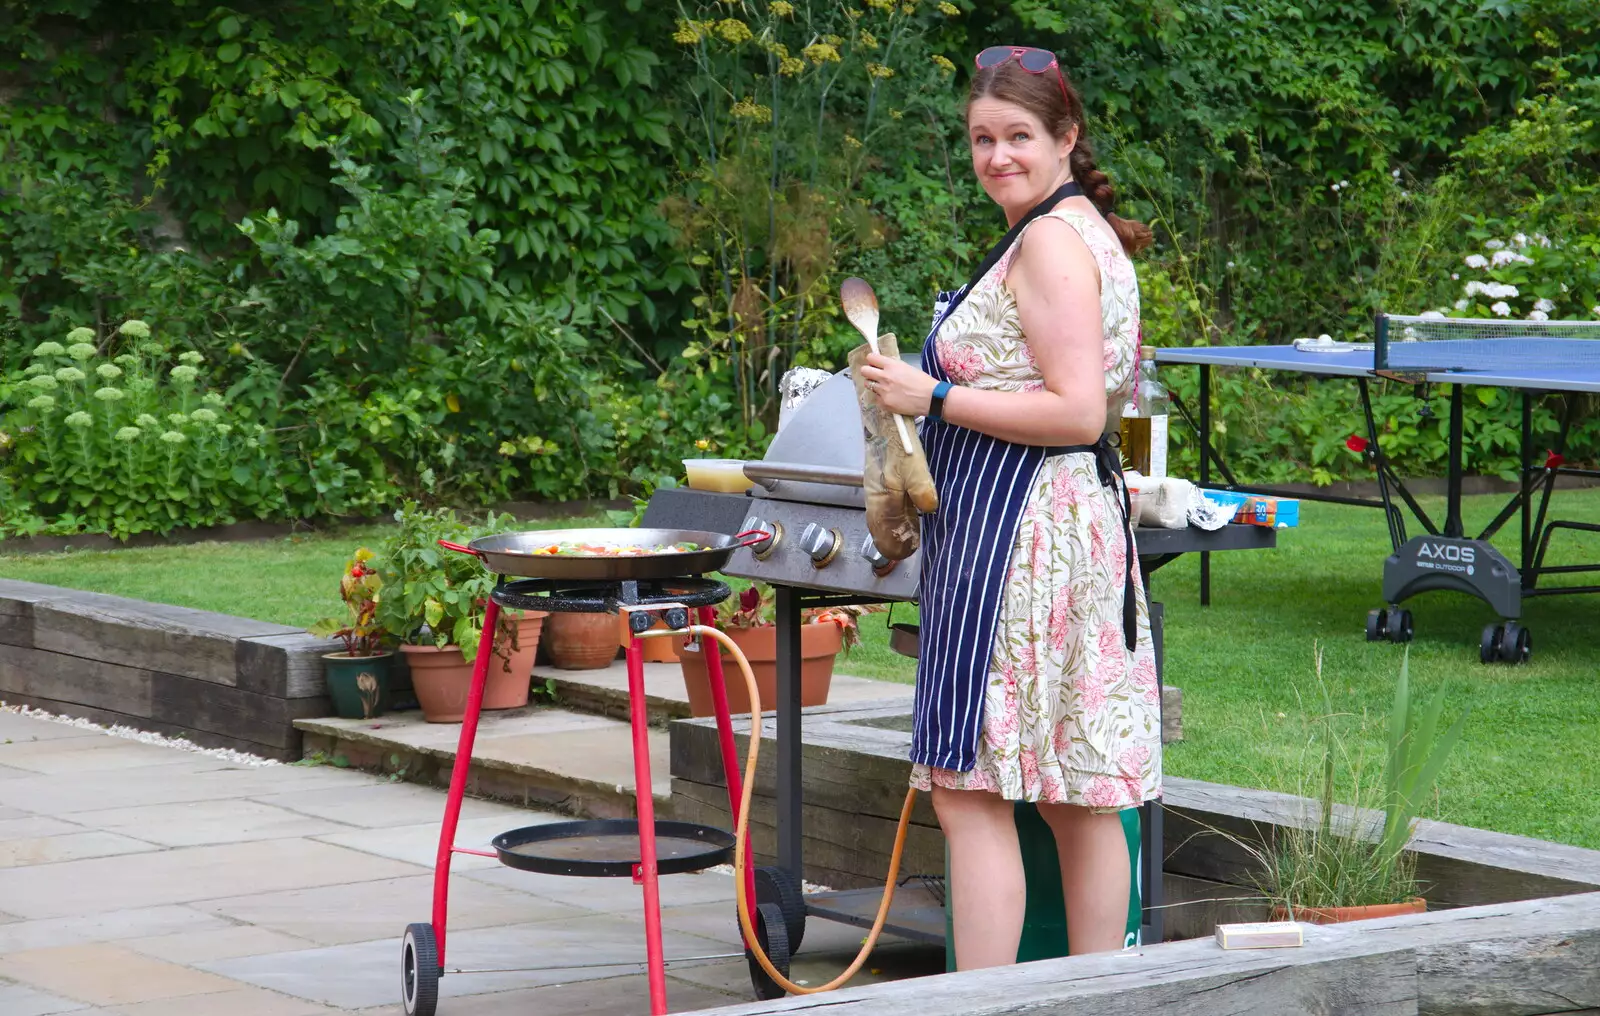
{"x":741,"y":855}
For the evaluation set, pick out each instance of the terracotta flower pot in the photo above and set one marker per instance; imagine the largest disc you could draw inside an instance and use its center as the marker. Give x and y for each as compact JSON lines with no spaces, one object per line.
{"x":819,"y":646}
{"x":511,"y":672}
{"x":656,"y":650}
{"x":1341,"y":915}
{"x":581,"y":641}
{"x":442,"y":679}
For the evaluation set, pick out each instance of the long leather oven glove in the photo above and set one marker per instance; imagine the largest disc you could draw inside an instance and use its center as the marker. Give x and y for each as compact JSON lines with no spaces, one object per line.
{"x":898,"y":485}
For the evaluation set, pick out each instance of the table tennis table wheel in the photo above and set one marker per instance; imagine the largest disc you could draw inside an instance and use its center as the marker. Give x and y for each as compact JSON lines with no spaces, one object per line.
{"x":1400,"y":627}
{"x":1489,"y":643}
{"x":1377,"y":624}
{"x":1516,"y":643}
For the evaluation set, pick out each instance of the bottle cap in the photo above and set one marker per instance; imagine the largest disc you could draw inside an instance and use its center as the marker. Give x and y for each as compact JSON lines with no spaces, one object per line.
{"x":1147,"y":352}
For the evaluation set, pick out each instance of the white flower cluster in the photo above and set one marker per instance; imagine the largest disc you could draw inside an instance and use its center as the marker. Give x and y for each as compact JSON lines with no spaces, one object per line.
{"x":1494,"y":290}
{"x":1341,"y":185}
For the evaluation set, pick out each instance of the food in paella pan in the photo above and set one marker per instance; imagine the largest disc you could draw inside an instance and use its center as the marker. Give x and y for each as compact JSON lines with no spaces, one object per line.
{"x":612,"y":550}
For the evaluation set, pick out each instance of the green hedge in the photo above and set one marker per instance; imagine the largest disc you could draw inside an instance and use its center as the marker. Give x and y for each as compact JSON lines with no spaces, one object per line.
{"x":542,"y":248}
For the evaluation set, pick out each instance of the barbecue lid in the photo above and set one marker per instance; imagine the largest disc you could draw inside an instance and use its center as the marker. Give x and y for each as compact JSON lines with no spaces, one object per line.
{"x":825,"y":433}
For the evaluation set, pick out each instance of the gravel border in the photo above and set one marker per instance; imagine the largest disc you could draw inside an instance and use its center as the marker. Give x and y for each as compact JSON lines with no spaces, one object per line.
{"x":142,"y":736}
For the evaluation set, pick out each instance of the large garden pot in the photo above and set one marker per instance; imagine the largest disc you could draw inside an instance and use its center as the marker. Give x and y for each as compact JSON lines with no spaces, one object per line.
{"x":1342,"y":915}
{"x":819,"y":646}
{"x":581,"y":641}
{"x":358,"y":685}
{"x":511,"y":670}
{"x":442,"y":678}
{"x":656,"y":650}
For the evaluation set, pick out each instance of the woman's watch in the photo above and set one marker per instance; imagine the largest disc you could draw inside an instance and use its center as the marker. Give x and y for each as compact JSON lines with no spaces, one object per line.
{"x":936,"y":402}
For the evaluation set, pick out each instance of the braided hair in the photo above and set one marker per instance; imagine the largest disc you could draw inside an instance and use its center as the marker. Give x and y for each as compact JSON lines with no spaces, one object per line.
{"x":1040,"y":95}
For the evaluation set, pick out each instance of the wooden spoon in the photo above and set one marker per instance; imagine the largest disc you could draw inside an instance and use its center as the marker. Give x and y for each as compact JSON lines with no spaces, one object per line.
{"x":861,"y":309}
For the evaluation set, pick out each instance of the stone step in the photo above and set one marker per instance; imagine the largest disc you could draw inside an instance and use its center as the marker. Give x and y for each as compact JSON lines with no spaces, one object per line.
{"x":540,"y":756}
{"x":575,"y":756}
{"x":605,"y":691}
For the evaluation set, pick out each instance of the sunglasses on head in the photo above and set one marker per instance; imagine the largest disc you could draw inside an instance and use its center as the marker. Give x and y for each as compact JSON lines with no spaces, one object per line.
{"x":1034,"y":61}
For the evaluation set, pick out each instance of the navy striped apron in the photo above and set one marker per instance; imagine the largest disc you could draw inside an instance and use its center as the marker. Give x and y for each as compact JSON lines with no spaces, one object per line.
{"x":983,"y":484}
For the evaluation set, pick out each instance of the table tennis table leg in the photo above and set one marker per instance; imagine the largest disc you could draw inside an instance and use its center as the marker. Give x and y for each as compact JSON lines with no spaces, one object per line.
{"x":1205,"y":472}
{"x":1452,"y":518}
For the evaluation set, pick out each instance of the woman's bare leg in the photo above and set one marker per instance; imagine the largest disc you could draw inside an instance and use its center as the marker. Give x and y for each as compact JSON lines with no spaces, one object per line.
{"x":986,"y":883}
{"x":1094,"y":876}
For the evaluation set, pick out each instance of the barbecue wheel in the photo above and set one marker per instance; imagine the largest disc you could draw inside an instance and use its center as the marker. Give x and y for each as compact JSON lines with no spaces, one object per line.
{"x":774,"y":940}
{"x":419,"y":970}
{"x":1399,"y":625}
{"x":1377,"y":624}
{"x":778,"y":885}
{"x":1516,"y":643}
{"x":1489,"y":643}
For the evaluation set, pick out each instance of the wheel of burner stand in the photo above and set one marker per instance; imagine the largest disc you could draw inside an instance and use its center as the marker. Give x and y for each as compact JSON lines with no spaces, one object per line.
{"x":1377,"y":624}
{"x":1400,"y":629}
{"x":1516,"y":644}
{"x":774,"y":939}
{"x":777,"y":885}
{"x":419,"y":971}
{"x":1489,"y":643}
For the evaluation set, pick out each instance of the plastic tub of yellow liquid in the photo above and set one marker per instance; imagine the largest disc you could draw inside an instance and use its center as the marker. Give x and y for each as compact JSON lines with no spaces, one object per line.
{"x":725,"y":476}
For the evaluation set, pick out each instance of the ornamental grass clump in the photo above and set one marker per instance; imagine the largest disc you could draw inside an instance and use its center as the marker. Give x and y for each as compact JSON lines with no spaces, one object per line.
{"x":118,"y":435}
{"x":1353,"y":856}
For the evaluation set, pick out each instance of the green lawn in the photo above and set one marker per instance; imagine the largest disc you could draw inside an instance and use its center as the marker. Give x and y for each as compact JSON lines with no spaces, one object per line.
{"x":1526,"y":764}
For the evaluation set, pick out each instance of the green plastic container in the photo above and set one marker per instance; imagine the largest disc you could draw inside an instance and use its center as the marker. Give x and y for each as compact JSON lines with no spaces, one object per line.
{"x":1044,"y":921}
{"x":358,"y":685}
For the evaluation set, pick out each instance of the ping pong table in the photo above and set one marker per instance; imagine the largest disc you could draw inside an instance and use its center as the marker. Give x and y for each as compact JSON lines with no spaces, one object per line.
{"x":1536,"y":359}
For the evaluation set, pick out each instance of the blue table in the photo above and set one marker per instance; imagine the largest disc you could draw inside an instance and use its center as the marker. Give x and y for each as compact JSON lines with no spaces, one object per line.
{"x":1445,"y":558}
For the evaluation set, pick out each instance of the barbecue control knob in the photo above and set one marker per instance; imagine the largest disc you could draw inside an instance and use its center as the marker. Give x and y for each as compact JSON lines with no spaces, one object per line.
{"x":874,"y":556}
{"x":821,"y":543}
{"x":762,"y":549}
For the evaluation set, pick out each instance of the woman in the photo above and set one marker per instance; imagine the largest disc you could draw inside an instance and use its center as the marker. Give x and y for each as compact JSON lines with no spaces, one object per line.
{"x":1037,"y":679}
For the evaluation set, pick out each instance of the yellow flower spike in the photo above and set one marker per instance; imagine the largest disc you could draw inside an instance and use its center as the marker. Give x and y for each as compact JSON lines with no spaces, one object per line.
{"x":948,"y":9}
{"x":878,"y":70}
{"x":869,"y":40}
{"x":789,"y":66}
{"x":702,"y":444}
{"x":851,"y":141}
{"x":943,"y":63}
{"x":781,"y":8}
{"x":833,"y":40}
{"x":688,"y":33}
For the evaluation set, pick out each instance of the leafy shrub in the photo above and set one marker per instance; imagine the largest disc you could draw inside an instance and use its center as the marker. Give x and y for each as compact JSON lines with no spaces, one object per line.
{"x":129,"y":443}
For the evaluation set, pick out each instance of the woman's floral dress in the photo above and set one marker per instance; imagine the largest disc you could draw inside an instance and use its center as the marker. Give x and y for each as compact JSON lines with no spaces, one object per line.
{"x":1070,"y":715}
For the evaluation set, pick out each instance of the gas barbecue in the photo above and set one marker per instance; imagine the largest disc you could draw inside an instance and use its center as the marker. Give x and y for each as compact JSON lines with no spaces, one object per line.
{"x":808,"y":500}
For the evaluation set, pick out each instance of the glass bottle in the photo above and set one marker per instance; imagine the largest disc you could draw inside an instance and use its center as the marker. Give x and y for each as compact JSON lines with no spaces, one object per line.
{"x":1144,"y":420}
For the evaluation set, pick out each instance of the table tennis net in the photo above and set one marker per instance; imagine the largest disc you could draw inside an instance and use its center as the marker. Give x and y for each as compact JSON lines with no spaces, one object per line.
{"x":1487,"y":345}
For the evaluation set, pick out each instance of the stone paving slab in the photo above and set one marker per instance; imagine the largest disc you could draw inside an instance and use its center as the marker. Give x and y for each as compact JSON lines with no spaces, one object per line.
{"x":365,"y":911}
{"x":71,"y":755}
{"x":105,"y":926}
{"x":194,"y":778}
{"x":236,"y":1002}
{"x":419,"y":844}
{"x":185,"y":875}
{"x":379,"y":804}
{"x":89,"y":843}
{"x":201,"y":823}
{"x":362,"y":975}
{"x":190,"y":947}
{"x":21,"y":1000}
{"x":103,"y":974}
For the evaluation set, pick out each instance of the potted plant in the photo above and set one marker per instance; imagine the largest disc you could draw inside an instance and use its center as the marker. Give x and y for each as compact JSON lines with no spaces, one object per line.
{"x":1352,"y":864}
{"x":748,"y":619}
{"x":358,"y":678}
{"x":582,"y":641}
{"x":435,"y":602}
